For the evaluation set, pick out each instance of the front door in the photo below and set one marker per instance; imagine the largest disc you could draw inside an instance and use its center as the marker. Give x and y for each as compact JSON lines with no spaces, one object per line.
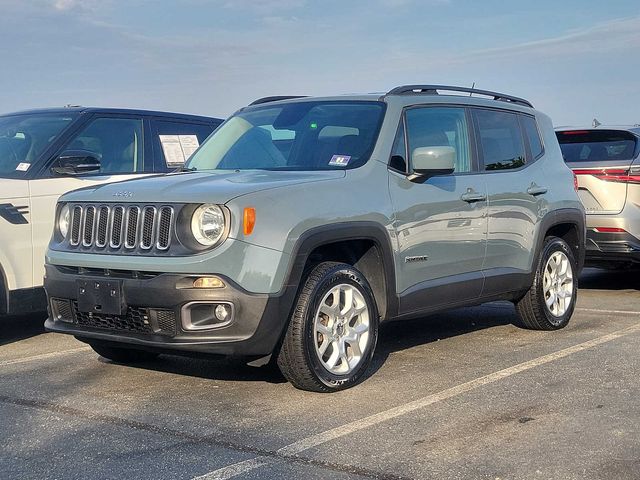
{"x":440,"y":223}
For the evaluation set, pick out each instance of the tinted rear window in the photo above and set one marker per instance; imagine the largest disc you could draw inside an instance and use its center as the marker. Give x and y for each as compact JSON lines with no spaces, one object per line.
{"x":597,"y":145}
{"x":501,"y":142}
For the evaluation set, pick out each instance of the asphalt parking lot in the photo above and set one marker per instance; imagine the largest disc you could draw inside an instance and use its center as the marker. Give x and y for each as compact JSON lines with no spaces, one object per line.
{"x":462,"y":395}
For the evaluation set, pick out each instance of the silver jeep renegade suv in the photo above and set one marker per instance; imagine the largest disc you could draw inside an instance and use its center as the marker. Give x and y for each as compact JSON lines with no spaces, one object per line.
{"x":301,"y":224}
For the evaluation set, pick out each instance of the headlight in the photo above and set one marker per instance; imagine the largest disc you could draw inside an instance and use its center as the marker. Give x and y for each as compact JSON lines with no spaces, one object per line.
{"x":208,"y":224}
{"x":63,"y":221}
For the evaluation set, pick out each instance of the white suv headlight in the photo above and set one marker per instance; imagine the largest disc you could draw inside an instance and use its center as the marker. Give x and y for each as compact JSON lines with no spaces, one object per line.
{"x":208,"y":224}
{"x":63,"y":221}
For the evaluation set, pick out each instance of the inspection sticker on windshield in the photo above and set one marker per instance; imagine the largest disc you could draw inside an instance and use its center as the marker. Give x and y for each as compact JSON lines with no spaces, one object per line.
{"x":340,"y":160}
{"x":23,"y":167}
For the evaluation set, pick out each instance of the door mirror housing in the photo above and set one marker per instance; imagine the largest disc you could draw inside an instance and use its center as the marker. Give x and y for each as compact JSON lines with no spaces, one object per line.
{"x":431,"y":161}
{"x":76,"y":162}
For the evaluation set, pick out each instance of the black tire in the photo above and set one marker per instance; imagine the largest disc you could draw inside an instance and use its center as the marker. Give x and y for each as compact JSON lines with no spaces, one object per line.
{"x":123,"y":354}
{"x":297,"y":358}
{"x":532,"y":308}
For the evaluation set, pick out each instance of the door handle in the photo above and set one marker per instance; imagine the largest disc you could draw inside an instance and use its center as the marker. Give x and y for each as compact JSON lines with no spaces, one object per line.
{"x":536,"y":190}
{"x":471,"y":197}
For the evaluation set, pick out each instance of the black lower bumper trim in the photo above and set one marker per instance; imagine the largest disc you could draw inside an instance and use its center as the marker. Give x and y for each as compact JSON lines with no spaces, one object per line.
{"x":255,"y":330}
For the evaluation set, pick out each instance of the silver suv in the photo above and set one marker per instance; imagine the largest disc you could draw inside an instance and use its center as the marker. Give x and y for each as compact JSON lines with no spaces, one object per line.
{"x":301,"y":224}
{"x":606,"y":162}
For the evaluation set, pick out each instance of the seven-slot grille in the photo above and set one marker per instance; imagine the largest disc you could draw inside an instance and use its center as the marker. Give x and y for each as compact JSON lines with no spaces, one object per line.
{"x":128,"y":227}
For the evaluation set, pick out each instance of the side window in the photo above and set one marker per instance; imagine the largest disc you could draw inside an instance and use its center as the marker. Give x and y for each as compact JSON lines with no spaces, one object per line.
{"x":398,"y":159}
{"x":533,"y":135}
{"x":174,"y":142}
{"x":117,"y":142}
{"x":441,"y":127}
{"x":500,"y":140}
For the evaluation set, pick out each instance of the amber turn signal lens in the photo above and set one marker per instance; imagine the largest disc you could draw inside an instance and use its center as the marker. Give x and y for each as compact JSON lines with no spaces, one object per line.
{"x":208,"y":282}
{"x":249,"y":220}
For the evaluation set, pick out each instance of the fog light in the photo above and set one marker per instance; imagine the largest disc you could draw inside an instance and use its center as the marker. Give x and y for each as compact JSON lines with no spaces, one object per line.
{"x":206,"y":315}
{"x":222,"y":312}
{"x":208,"y":282}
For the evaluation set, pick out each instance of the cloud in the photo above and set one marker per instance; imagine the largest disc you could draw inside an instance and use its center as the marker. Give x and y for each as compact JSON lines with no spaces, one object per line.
{"x":43,"y":7}
{"x":272,"y":4}
{"x":609,"y":36}
{"x":405,"y":3}
{"x":64,"y":4}
{"x":262,"y":6}
{"x":212,"y":56}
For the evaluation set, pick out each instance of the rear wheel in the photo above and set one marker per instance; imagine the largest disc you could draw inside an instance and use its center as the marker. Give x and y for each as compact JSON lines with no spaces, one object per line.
{"x":333,"y":331}
{"x":549,"y":303}
{"x":122,"y":355}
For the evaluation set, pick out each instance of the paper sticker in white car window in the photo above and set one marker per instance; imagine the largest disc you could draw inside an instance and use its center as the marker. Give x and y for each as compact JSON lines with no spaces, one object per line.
{"x":189,"y":144}
{"x":23,"y":167}
{"x":178,"y":148}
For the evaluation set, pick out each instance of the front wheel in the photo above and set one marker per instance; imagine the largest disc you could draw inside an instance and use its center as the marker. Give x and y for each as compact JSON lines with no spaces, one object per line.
{"x":549,"y":303}
{"x":333,"y":331}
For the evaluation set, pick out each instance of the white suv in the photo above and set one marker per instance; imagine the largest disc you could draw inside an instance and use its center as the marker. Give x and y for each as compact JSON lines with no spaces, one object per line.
{"x":45,"y":153}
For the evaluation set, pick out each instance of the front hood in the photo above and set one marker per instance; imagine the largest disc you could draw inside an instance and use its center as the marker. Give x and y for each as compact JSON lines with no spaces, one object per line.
{"x":11,"y":188}
{"x":196,"y":187}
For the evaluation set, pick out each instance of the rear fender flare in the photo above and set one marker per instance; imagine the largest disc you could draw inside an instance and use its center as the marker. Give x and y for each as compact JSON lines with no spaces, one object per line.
{"x":572,"y":216}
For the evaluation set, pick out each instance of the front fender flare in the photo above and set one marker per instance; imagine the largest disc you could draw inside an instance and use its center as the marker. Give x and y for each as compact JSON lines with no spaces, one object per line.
{"x":344,"y":231}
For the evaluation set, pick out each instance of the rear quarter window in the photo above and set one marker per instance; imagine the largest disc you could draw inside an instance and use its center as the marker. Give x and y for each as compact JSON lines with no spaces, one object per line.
{"x":597,"y":145}
{"x":533,"y":135}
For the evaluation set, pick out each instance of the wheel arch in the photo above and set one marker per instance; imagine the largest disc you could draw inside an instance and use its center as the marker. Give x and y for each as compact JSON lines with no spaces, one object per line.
{"x":365,"y":245}
{"x":568,"y":224}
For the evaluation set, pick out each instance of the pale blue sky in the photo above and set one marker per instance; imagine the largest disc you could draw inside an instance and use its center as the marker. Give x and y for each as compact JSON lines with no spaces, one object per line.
{"x":574,"y":59}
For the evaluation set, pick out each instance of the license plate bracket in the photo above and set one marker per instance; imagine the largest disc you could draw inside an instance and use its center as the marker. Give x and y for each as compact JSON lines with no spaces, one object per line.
{"x":101,"y":296}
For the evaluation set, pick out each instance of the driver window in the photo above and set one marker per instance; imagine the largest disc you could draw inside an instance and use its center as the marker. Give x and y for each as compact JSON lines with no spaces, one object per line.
{"x":117,"y":142}
{"x":440,"y":127}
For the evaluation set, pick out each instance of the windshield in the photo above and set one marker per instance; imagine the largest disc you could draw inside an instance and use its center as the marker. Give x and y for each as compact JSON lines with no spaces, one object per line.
{"x":293,"y":136}
{"x":597,"y":145}
{"x":24,"y":137}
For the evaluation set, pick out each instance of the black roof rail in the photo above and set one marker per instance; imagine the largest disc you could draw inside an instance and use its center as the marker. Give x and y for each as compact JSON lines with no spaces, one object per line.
{"x":433,"y":90}
{"x":275,"y":99}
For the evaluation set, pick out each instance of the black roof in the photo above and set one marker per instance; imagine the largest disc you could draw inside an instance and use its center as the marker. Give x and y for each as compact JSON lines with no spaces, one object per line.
{"x":129,"y":111}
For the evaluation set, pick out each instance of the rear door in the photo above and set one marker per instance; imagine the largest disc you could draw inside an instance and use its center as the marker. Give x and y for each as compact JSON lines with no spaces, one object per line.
{"x":174,"y":141}
{"x":601,"y":160}
{"x":517,"y":186}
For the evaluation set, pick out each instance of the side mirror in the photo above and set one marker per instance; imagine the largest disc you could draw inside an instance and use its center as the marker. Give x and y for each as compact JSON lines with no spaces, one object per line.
{"x":76,"y":162}
{"x":431,"y":161}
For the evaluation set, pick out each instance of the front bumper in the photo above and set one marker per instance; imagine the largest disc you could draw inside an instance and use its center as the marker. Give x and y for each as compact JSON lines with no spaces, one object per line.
{"x":152,"y":319}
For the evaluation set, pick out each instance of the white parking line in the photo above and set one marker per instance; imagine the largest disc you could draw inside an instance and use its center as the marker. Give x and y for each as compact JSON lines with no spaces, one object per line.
{"x":43,"y":356}
{"x":315,"y":440}
{"x":614,"y":312}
